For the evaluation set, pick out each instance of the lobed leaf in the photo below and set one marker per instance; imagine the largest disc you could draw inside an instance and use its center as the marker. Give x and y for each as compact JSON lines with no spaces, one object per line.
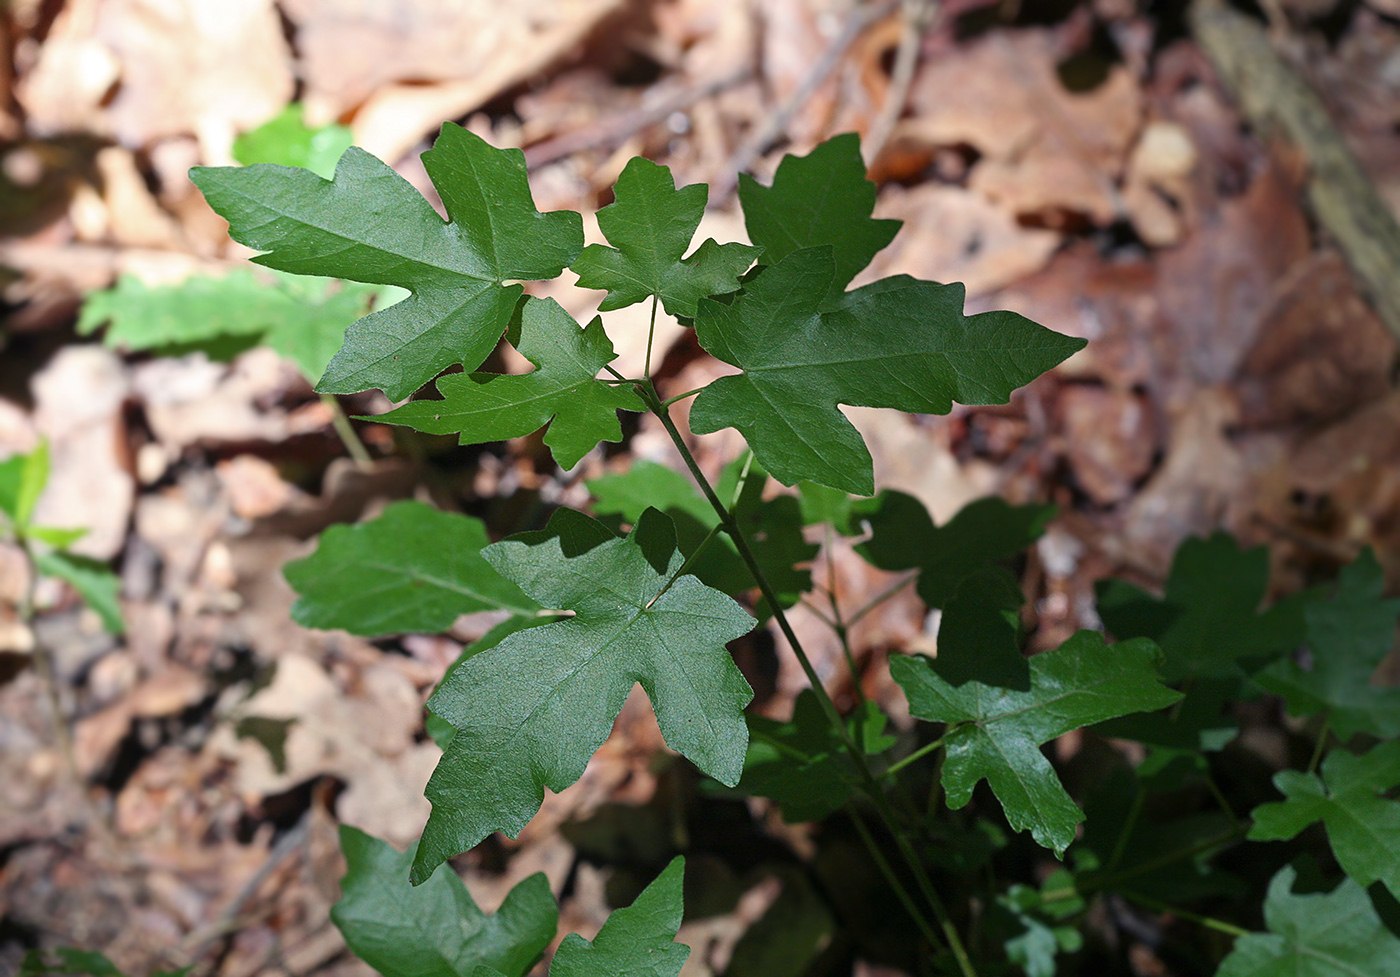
{"x":531,"y":711}
{"x":822,"y":198}
{"x":287,"y":140}
{"x":22,"y":481}
{"x":996,"y":733}
{"x":1349,"y":636}
{"x":435,"y":929}
{"x":650,"y":224}
{"x":773,"y":527}
{"x":563,"y":391}
{"x":801,"y":359}
{"x":368,"y":224}
{"x":1333,"y":934}
{"x":413,"y":569}
{"x":636,"y":941}
{"x":93,"y":580}
{"x":1362,"y":825}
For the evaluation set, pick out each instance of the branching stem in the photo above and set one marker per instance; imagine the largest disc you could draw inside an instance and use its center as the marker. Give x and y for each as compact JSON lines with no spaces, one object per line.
{"x":871,"y":785}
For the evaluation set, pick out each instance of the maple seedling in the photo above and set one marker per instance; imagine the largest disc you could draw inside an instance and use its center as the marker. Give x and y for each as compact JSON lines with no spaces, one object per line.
{"x":652,"y":593}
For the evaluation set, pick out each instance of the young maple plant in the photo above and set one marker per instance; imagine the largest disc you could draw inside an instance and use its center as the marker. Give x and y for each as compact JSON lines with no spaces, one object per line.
{"x":593,"y":612}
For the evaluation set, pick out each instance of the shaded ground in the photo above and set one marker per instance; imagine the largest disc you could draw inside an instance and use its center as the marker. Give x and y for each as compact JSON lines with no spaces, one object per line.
{"x":1077,"y":162}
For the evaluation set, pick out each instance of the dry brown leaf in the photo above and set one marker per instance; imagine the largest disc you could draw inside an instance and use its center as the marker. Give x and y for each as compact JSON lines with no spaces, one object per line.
{"x":1045,"y":150}
{"x":409,"y":66}
{"x":1112,"y":440}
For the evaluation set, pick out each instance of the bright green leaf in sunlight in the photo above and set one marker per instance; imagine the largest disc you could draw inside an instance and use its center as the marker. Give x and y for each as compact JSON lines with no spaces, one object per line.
{"x":802,"y":359}
{"x":434,"y":929}
{"x":22,"y":481}
{"x":302,"y":319}
{"x":650,"y":225}
{"x":1332,"y":934}
{"x":636,"y":941}
{"x":821,"y":198}
{"x":95,"y":583}
{"x":563,"y":391}
{"x":370,"y":225}
{"x":773,"y":526}
{"x":287,"y":140}
{"x":970,"y":546}
{"x":531,"y":711}
{"x":413,"y":569}
{"x":1348,"y":637}
{"x":996,"y":733}
{"x":1362,"y":824}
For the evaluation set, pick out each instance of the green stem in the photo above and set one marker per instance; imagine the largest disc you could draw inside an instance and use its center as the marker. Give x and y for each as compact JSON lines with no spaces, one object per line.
{"x":679,"y":397}
{"x":1129,"y":823}
{"x":346,"y":431}
{"x":651,"y":335}
{"x":881,"y":597}
{"x":1210,"y":922}
{"x":1322,"y":735}
{"x":1093,"y":883}
{"x":647,"y":392}
{"x":915,"y":757}
{"x":842,"y":629}
{"x":680,"y":571}
{"x":887,"y":870}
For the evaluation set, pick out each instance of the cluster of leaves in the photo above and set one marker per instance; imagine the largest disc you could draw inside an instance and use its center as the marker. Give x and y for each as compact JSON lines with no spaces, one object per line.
{"x":672,"y":570}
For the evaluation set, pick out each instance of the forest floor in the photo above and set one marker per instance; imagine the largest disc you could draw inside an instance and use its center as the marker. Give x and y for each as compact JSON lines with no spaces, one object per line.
{"x":1078,"y":162}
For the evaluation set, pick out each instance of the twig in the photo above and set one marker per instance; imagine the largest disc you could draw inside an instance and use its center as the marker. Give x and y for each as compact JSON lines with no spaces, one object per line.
{"x":616,"y":130}
{"x":777,"y":123}
{"x":346,"y":432}
{"x":1277,"y":101}
{"x":917,"y":19}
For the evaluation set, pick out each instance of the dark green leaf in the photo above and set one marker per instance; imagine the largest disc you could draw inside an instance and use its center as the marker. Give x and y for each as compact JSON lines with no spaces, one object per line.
{"x":434,"y":929}
{"x":969,"y":546}
{"x":636,"y":941}
{"x":1336,"y":934}
{"x":773,"y":527}
{"x":413,"y":569}
{"x":801,"y":361}
{"x":531,"y":711}
{"x":563,"y":390}
{"x":288,"y":141}
{"x":650,"y":224}
{"x":95,"y":583}
{"x":791,"y":933}
{"x":1349,"y":636}
{"x":821,"y":198}
{"x":1209,"y":626}
{"x":370,"y":225}
{"x":802,"y":764}
{"x":440,"y":729}
{"x":1362,"y":824}
{"x":70,"y":961}
{"x":996,"y":733}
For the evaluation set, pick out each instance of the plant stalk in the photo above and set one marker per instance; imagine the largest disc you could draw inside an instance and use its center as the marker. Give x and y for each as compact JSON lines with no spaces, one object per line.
{"x":346,"y":432}
{"x":647,"y":392}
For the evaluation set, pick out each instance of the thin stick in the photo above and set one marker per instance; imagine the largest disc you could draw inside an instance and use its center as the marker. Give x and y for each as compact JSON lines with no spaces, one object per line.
{"x":918,"y":19}
{"x":346,"y":431}
{"x":777,"y":123}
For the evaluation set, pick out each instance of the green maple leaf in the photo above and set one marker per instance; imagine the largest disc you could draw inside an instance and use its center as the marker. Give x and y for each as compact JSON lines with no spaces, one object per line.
{"x":531,"y":711}
{"x":1209,"y":625}
{"x":370,"y":225}
{"x":413,"y":569}
{"x":93,"y":580}
{"x":22,"y":481}
{"x":996,"y":733}
{"x":302,"y":319}
{"x":435,"y":929}
{"x":636,"y":941}
{"x":1362,"y":825}
{"x":773,"y":527}
{"x":821,"y":198}
{"x":1334,"y":934}
{"x":651,"y":224}
{"x":802,"y":764}
{"x":1349,"y":636}
{"x":969,"y":546}
{"x":801,"y":360}
{"x":563,"y":391}
{"x":287,"y":140}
